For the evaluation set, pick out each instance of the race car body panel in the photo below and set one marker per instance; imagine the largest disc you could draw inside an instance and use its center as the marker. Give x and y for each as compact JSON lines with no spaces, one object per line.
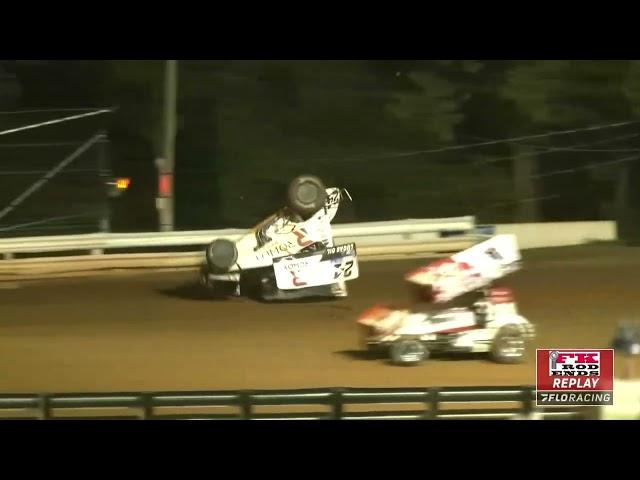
{"x":281,"y":235}
{"x":453,"y":329}
{"x":313,"y":269}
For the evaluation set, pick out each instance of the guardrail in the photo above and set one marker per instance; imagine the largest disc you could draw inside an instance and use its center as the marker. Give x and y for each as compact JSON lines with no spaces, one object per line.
{"x":559,"y":234}
{"x":93,"y":252}
{"x":316,"y":404}
{"x":371,"y":233}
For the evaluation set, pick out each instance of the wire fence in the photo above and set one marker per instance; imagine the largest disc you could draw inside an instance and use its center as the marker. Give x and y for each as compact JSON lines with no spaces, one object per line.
{"x":54,"y":188}
{"x":47,"y":187}
{"x":53,"y":169}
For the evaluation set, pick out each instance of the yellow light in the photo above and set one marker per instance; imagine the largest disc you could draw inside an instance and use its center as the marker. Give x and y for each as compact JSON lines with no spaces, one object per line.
{"x":122,"y":183}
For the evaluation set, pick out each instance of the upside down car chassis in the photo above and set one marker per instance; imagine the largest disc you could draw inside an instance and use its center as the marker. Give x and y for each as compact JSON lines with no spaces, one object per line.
{"x":289,"y":255}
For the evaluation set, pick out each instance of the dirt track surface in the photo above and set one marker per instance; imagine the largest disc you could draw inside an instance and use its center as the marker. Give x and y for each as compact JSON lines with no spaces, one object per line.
{"x":153,"y":332}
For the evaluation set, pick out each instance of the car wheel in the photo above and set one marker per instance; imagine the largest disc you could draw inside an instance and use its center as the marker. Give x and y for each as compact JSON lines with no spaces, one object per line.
{"x":306,"y":195}
{"x":408,"y":352}
{"x":221,"y":255}
{"x":509,"y":345}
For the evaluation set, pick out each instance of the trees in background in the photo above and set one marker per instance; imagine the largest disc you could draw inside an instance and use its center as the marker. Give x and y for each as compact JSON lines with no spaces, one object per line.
{"x":560,"y":95}
{"x":246,"y":127}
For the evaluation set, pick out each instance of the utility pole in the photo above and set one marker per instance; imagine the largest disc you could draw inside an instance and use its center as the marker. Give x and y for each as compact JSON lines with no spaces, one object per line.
{"x":165,"y":200}
{"x":103,"y":164}
{"x":524,"y":170}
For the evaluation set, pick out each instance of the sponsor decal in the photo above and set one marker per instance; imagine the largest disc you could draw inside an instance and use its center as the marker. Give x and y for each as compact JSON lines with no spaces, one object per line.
{"x":340,"y":250}
{"x":574,"y":377}
{"x":296,"y":281}
{"x":301,"y":235}
{"x":343,"y":269}
{"x":333,"y":199}
{"x":277,"y":250}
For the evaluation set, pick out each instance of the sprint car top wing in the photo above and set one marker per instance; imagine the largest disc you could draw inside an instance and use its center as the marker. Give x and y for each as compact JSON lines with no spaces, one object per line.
{"x":470,"y":269}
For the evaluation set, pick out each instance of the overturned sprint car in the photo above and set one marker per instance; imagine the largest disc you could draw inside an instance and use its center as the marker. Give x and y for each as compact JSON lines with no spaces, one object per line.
{"x":289,"y":255}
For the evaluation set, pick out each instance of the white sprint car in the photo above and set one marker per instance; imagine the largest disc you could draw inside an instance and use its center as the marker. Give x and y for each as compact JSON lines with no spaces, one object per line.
{"x":289,"y":255}
{"x":463,"y":313}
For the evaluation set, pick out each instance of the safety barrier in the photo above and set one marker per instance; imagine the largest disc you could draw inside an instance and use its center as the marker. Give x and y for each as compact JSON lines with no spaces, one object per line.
{"x":55,"y":256}
{"x":56,"y":267}
{"x":311,"y":404}
{"x":371,"y":233}
{"x":159,"y":250}
{"x":560,"y":234}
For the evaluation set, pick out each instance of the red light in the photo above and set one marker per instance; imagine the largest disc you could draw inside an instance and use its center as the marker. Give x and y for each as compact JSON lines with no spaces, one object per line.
{"x":165,"y":185}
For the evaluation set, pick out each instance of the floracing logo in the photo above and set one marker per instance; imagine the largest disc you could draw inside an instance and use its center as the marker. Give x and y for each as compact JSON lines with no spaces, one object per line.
{"x":574,"y":377}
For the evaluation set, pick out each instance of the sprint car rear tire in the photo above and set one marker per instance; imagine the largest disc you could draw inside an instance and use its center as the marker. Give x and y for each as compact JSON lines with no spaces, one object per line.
{"x":221,"y":255}
{"x":408,"y":351}
{"x":306,"y":195}
{"x":509,"y":346}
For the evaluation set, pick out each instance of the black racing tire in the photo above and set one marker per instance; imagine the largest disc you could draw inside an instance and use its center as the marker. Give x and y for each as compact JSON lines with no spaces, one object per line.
{"x":408,"y":351}
{"x":221,"y":255}
{"x":509,"y":346}
{"x":306,"y":195}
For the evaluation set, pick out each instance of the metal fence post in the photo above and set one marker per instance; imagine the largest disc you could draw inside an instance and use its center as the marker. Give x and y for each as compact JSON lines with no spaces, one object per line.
{"x":528,"y":405}
{"x":45,"y":407}
{"x":336,"y":404}
{"x":245,"y":405}
{"x":147,"y":407}
{"x":433,"y":402}
{"x":104,"y":173}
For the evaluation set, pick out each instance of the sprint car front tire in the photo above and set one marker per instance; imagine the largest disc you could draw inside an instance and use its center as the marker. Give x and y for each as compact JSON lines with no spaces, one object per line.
{"x":221,"y":255}
{"x":306,"y":195}
{"x":408,"y":351}
{"x":509,"y":345}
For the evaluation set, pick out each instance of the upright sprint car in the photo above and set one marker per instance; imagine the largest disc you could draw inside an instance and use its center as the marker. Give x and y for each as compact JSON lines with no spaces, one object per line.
{"x":289,"y":255}
{"x":458,"y":310}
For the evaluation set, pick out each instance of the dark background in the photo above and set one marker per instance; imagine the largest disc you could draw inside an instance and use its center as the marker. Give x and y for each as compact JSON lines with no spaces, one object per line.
{"x":245,"y":128}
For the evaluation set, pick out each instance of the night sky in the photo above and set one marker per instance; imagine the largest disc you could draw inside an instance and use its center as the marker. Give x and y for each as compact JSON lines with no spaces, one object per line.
{"x":409,"y":139}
